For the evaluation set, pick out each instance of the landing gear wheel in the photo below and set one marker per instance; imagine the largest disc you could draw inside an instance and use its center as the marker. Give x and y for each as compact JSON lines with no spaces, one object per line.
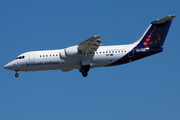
{"x":84,"y":70}
{"x":85,"y":74}
{"x":16,"y":75}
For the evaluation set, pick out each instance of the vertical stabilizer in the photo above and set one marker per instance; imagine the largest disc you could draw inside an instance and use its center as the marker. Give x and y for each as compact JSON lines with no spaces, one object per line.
{"x":156,"y":33}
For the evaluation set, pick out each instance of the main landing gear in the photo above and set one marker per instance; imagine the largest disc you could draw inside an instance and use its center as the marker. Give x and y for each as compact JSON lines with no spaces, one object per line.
{"x":84,"y":70}
{"x":16,"y":75}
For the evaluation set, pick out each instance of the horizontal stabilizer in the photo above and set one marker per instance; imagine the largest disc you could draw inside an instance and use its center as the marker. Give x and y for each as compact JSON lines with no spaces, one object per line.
{"x":165,"y":20}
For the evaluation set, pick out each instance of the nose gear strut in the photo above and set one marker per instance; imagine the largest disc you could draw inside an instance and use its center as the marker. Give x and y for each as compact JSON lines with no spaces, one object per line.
{"x":16,"y":75}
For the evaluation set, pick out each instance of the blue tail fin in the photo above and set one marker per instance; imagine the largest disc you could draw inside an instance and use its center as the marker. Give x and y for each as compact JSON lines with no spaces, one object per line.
{"x":156,"y":33}
{"x":150,"y":43}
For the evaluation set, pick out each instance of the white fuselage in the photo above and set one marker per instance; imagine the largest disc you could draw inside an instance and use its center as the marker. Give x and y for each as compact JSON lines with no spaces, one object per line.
{"x":50,"y":59}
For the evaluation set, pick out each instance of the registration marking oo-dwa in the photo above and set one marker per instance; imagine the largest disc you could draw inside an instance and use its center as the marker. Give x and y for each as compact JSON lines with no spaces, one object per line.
{"x":89,"y":54}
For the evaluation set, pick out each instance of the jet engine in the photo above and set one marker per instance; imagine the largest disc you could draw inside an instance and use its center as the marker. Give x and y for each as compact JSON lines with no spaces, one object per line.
{"x":68,"y":53}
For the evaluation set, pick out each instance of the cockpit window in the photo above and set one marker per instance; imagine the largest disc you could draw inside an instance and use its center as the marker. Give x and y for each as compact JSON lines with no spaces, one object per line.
{"x":20,"y":57}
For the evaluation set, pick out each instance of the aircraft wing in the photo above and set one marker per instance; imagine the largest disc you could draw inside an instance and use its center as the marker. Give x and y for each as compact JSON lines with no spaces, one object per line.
{"x":90,"y":45}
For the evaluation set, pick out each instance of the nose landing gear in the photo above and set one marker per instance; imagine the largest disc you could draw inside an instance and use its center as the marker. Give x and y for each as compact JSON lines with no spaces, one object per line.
{"x":16,"y":75}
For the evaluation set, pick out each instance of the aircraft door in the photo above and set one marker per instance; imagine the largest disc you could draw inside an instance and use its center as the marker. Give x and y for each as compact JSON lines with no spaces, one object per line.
{"x":131,"y":51}
{"x":31,"y":57}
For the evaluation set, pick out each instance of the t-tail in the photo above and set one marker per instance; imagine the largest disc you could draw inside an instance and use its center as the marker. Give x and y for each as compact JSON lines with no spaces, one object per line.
{"x":153,"y":38}
{"x":156,"y":33}
{"x":150,"y":43}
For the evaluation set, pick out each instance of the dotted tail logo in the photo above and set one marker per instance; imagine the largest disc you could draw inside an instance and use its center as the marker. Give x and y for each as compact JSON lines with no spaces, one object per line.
{"x":148,"y":39}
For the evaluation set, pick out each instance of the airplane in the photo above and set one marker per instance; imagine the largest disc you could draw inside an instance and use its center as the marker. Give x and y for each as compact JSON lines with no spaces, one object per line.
{"x":89,"y":54}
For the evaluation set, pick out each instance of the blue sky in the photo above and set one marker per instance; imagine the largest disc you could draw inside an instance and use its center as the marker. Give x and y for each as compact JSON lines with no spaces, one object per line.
{"x":142,"y":90}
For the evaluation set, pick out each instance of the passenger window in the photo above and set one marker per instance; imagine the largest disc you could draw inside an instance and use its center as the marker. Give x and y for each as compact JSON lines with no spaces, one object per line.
{"x":109,"y":51}
{"x":56,"y":54}
{"x":53,"y":55}
{"x":40,"y":55}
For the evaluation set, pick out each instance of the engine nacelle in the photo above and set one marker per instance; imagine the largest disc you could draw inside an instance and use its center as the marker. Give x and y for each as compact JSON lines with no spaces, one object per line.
{"x":68,"y":53}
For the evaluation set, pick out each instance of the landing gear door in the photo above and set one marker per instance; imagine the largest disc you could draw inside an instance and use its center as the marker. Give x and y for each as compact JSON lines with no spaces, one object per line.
{"x":31,"y":57}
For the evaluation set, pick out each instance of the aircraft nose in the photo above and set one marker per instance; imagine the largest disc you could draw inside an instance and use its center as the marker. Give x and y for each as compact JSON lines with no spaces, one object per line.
{"x":9,"y":66}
